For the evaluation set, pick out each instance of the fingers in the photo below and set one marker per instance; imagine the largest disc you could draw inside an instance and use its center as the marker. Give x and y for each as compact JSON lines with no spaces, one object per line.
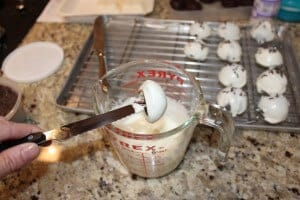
{"x":11,"y":130}
{"x":16,"y":157}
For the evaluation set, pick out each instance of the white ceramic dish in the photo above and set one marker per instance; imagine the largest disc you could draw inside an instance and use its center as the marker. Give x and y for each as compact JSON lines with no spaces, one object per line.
{"x":83,"y":10}
{"x":33,"y":62}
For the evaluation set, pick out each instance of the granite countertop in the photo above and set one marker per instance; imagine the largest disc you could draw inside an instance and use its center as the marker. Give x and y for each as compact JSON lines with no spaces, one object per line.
{"x":261,"y":165}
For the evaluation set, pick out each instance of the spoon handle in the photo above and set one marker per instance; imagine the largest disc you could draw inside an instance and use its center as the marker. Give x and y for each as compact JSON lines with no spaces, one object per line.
{"x":72,"y":129}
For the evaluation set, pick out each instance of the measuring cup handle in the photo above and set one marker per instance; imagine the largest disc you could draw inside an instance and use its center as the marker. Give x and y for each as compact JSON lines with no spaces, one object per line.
{"x":220,"y":119}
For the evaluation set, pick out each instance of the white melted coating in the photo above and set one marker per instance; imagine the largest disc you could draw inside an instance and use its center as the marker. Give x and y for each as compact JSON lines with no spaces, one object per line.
{"x":230,"y":51}
{"x":175,"y":115}
{"x":200,"y":30}
{"x":170,"y":149}
{"x":263,"y":32}
{"x":274,"y":108}
{"x":229,"y":31}
{"x":195,"y":51}
{"x":272,"y":82}
{"x":233,"y":75}
{"x":234,"y":99}
{"x":268,"y":57}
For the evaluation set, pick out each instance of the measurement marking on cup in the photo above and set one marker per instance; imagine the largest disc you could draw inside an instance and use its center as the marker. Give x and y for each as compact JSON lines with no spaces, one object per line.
{"x":144,"y":164}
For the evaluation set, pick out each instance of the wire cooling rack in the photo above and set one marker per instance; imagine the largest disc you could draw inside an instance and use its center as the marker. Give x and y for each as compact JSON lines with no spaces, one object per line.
{"x":129,"y":38}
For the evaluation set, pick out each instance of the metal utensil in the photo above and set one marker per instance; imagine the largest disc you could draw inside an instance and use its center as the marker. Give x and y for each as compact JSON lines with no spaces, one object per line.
{"x":72,"y":129}
{"x":99,"y":44}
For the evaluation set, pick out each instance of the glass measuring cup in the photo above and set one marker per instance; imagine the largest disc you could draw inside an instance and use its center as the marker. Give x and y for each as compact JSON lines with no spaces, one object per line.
{"x":151,"y":153}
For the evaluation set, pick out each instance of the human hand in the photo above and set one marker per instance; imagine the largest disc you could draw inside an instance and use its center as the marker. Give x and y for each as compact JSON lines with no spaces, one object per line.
{"x":16,"y":157}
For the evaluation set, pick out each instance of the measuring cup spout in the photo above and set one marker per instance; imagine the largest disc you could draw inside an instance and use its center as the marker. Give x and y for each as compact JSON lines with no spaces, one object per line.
{"x":217,"y":117}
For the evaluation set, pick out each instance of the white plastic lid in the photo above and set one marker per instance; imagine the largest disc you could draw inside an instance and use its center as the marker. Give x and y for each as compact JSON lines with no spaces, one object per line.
{"x":33,"y":62}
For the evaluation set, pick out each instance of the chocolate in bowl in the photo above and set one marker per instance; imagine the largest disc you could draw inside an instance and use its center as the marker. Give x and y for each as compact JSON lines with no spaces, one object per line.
{"x":10,"y":98}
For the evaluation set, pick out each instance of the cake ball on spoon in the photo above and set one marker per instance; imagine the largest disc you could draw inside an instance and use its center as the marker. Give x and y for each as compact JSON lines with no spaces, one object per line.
{"x":155,"y":100}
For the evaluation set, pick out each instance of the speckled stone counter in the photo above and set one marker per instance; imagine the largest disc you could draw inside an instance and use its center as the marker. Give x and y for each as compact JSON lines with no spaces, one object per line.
{"x":261,"y":165}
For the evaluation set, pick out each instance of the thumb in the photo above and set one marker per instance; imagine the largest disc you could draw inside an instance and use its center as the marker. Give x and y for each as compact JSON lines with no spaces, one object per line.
{"x":17,"y":157}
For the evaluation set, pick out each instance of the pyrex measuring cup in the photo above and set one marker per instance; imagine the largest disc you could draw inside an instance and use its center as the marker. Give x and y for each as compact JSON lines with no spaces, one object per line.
{"x":154,"y":154}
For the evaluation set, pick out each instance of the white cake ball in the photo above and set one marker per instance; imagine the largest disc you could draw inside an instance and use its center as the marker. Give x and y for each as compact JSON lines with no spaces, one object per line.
{"x":274,"y":108}
{"x":200,"y":30}
{"x":196,"y":51}
{"x":233,"y":75}
{"x":268,"y":57}
{"x":229,"y":31}
{"x":263,"y":32}
{"x":229,"y":51}
{"x":155,"y":99}
{"x":272,"y":82}
{"x":233,"y":99}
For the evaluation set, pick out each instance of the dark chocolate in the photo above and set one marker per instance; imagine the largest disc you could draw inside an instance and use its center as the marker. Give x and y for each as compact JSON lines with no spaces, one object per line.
{"x":8,"y":98}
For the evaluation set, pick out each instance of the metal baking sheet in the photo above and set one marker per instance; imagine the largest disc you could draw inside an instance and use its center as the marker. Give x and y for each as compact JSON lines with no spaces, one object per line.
{"x":129,"y":38}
